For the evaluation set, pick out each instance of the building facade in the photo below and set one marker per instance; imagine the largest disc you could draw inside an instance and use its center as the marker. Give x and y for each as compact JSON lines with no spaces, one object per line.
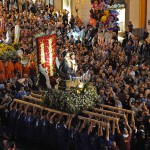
{"x":136,"y":11}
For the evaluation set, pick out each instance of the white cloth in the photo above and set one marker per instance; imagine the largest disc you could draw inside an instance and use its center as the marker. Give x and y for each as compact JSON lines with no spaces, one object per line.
{"x":17,"y":34}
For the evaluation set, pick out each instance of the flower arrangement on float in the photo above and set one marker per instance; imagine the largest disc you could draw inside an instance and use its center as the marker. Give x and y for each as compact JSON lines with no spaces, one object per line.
{"x":73,"y":101}
{"x":7,"y":51}
{"x":72,"y":94}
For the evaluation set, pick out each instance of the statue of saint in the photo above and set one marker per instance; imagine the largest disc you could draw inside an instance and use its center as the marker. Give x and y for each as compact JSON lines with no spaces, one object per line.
{"x":67,"y":68}
{"x":73,"y":64}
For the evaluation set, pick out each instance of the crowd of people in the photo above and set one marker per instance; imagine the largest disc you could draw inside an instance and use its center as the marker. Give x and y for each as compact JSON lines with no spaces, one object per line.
{"x":119,"y":70}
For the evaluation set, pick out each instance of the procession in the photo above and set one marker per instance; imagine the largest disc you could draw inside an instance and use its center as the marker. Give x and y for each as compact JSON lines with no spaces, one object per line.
{"x":67,"y":85}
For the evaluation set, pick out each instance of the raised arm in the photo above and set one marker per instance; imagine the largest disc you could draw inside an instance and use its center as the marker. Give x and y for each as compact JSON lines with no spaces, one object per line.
{"x":145,"y":107}
{"x":90,"y":128}
{"x":117,"y":125}
{"x":133,"y":121}
{"x":11,"y":105}
{"x":130,"y":104}
{"x":67,"y":122}
{"x":113,"y":127}
{"x":52,"y":118}
{"x":82,"y":126}
{"x":100,"y":130}
{"x":107,"y":132}
{"x":34,"y":110}
{"x":25,"y":111}
{"x":69,"y":125}
{"x":78,"y":125}
{"x":128,"y":127}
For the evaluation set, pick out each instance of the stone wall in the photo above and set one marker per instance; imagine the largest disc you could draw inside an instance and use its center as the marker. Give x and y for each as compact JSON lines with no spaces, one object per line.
{"x":58,"y":5}
{"x":127,"y":12}
{"x":134,"y":12}
{"x":84,"y":7}
{"x":85,"y":10}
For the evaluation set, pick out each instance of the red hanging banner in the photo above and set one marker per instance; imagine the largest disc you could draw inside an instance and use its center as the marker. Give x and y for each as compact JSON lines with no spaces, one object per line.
{"x":46,"y":53}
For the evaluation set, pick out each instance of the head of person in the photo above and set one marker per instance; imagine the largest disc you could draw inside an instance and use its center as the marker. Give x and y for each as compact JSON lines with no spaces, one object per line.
{"x":125,"y":133}
{"x":22,"y":88}
{"x":12,"y":145}
{"x":29,"y":112}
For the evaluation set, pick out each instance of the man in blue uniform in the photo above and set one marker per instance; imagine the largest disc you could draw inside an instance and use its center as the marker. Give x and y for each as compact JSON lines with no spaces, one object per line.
{"x":93,"y":139}
{"x":37,"y":129}
{"x":53,"y":132}
{"x":12,"y":122}
{"x":44,"y":131}
{"x":61,"y":134}
{"x":19,"y":125}
{"x":29,"y":128}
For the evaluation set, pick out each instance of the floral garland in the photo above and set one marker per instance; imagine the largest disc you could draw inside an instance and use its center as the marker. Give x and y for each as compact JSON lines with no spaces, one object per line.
{"x":71,"y":101}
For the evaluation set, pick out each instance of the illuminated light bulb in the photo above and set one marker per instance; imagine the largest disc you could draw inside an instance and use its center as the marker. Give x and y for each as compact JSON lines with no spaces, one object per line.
{"x":81,"y":85}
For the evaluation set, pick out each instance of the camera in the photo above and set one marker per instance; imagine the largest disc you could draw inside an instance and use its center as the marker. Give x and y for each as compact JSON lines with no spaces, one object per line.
{"x":132,"y":100}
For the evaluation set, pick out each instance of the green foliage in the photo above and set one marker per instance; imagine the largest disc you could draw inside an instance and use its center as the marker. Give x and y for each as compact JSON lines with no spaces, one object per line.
{"x":73,"y":101}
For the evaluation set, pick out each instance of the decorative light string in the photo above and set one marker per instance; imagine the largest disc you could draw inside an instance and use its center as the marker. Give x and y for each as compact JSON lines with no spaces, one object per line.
{"x":42,"y":53}
{"x":51,"y":57}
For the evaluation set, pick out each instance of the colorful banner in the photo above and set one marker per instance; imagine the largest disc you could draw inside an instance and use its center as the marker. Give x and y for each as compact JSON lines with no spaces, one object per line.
{"x":46,"y":53}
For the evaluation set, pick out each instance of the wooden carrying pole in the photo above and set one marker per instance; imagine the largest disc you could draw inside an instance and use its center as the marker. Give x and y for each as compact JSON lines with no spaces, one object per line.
{"x":36,"y":95}
{"x":114,"y":114}
{"x":109,"y":118}
{"x":116,"y":108}
{"x":33,"y":99}
{"x":40,"y":107}
{"x":104,"y":124}
{"x":108,"y":112}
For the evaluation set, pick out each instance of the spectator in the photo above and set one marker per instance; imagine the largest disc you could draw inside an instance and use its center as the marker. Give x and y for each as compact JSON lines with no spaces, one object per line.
{"x":125,"y":137}
{"x":21,"y":93}
{"x":146,"y":34}
{"x":12,"y":146}
{"x":130,"y":26}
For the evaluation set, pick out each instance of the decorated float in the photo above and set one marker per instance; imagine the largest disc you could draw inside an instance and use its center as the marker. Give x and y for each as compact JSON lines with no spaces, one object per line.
{"x":65,"y":93}
{"x":69,"y":93}
{"x":62,"y":89}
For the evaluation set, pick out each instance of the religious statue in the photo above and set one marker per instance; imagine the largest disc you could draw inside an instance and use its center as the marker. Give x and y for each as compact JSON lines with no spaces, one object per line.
{"x":17,"y":33}
{"x":74,"y":66}
{"x":67,"y":68}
